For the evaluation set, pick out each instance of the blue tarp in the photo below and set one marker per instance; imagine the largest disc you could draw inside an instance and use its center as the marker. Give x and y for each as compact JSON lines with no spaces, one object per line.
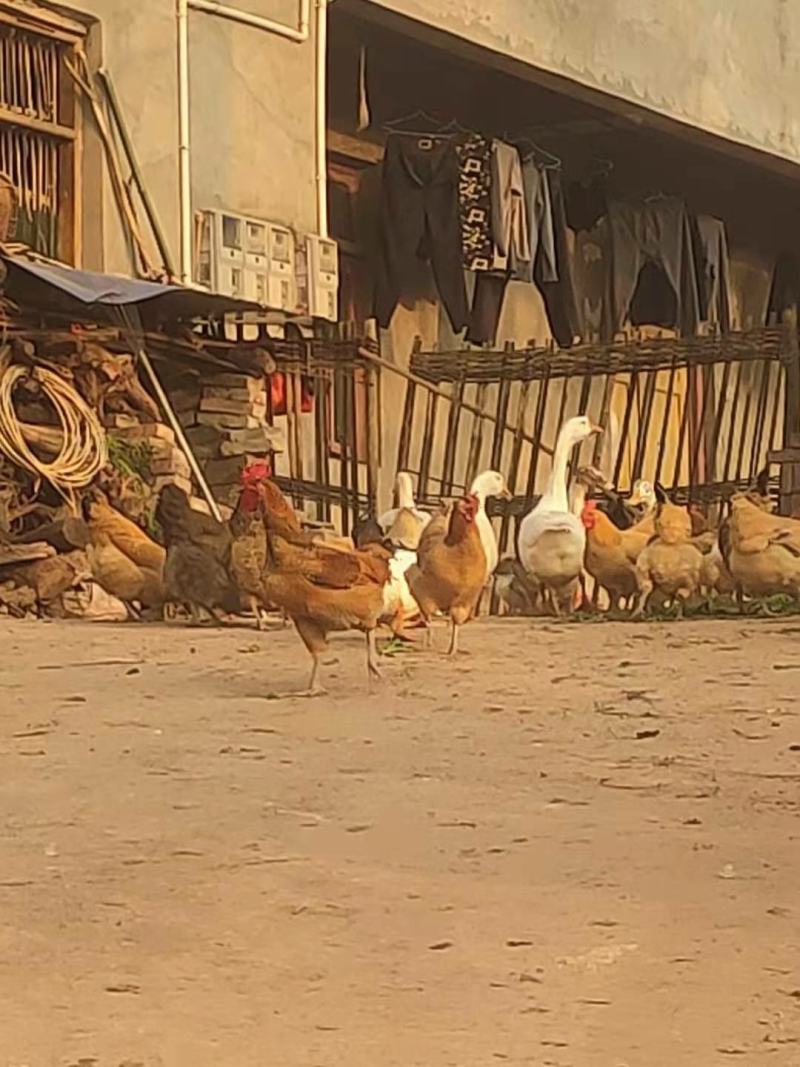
{"x":49,"y":287}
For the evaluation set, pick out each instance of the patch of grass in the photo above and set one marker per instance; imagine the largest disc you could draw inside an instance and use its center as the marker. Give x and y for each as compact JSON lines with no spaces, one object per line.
{"x":131,"y":459}
{"x":396,"y":647}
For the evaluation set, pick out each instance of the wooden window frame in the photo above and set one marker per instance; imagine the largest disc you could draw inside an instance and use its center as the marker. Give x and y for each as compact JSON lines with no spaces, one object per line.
{"x":65,"y":130}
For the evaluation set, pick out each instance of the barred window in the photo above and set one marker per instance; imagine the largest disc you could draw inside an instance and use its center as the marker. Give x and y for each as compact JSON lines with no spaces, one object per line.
{"x":38,"y":129}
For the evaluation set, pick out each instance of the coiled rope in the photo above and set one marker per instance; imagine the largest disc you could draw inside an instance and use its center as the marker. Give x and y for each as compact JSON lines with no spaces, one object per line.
{"x":84,"y":451}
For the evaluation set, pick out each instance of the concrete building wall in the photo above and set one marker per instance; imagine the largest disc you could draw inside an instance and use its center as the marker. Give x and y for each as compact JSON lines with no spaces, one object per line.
{"x":731,"y":67}
{"x":252,"y":118}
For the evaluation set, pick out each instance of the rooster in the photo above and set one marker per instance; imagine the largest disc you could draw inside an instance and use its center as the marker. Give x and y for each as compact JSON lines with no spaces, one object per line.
{"x":322,"y":588}
{"x":249,"y":545}
{"x":451,"y":570}
{"x":198,"y":565}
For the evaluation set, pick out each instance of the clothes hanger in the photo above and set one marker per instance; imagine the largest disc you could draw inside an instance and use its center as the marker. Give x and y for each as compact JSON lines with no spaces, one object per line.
{"x":455,"y":126}
{"x":418,"y":124}
{"x":545,"y":159}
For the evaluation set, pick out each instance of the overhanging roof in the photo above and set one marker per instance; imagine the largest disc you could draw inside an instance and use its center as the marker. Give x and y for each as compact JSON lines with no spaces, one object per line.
{"x":54,"y":288}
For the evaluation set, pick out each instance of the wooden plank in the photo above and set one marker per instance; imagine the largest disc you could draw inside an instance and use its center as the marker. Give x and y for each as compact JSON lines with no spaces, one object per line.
{"x":761,"y":416}
{"x":662,"y":444}
{"x":342,"y":144}
{"x":12,"y":555}
{"x":645,"y":417}
{"x":476,"y":440}
{"x":451,"y":444}
{"x":429,"y":434}
{"x":351,"y":374}
{"x":536,"y":448}
{"x":28,"y":122}
{"x":503,"y":394}
{"x":406,"y":426}
{"x":784,"y":455}
{"x":791,"y":426}
{"x":417,"y":380}
{"x":626,"y":423}
{"x":373,"y":414}
{"x":516,"y":453}
{"x":34,"y":18}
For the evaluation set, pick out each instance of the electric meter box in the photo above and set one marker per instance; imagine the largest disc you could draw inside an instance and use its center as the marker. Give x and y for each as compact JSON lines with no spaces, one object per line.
{"x":248,"y":258}
{"x":318,"y":278}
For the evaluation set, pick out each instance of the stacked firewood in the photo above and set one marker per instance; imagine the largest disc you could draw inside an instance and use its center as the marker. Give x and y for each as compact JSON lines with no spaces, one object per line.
{"x":219,"y":395}
{"x":42,"y":539}
{"x":40,"y":564}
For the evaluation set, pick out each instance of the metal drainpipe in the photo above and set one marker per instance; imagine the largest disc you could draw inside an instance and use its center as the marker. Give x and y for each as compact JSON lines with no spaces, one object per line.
{"x":297,"y":35}
{"x":184,"y":145}
{"x":320,"y":115}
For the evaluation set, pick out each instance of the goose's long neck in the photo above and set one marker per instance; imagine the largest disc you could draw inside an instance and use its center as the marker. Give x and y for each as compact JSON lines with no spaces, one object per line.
{"x":556,"y":493}
{"x":578,"y":499}
{"x":405,"y":492}
{"x":478,"y":489}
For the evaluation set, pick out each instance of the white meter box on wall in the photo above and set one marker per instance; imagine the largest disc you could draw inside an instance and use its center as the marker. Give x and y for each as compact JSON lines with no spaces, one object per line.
{"x":249,"y":258}
{"x":318,"y":278}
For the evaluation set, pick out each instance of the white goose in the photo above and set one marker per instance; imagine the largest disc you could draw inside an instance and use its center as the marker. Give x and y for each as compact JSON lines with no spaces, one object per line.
{"x":551,"y":539}
{"x":490,"y":483}
{"x":405,"y":500}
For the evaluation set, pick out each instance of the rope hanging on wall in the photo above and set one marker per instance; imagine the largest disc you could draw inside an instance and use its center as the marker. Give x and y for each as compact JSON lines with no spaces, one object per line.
{"x":83,"y":453}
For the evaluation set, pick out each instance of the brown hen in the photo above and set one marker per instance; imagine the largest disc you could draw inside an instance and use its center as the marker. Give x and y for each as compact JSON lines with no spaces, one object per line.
{"x":321,"y":588}
{"x":451,"y":570}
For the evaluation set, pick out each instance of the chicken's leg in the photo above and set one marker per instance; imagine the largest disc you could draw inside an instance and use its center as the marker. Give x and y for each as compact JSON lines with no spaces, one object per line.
{"x":373,"y":670}
{"x":453,"y":649}
{"x":315,"y":640}
{"x":314,"y":689}
{"x":255,"y":607}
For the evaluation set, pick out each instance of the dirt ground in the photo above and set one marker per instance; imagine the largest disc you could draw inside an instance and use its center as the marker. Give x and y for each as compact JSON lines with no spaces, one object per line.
{"x":576,"y":846}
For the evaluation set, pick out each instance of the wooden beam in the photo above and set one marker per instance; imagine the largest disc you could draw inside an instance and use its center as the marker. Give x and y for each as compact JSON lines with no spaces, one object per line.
{"x":34,"y":18}
{"x":353,"y":148}
{"x":28,"y":122}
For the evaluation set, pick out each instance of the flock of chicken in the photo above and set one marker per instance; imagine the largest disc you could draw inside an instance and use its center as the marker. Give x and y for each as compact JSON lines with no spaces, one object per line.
{"x":645,"y":552}
{"x":407,"y":566}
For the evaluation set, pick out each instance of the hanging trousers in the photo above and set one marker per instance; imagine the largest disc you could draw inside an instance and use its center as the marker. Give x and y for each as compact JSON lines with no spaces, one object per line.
{"x":712,"y":264}
{"x":784,"y":292}
{"x":420,"y":222}
{"x":540,"y":224}
{"x":654,"y":240}
{"x":552,"y":274}
{"x":558,"y":293}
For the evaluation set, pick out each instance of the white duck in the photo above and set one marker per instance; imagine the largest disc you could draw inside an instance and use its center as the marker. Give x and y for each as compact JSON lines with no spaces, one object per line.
{"x":490,"y":483}
{"x":403,"y":535}
{"x":551,"y":539}
{"x":404,"y":488}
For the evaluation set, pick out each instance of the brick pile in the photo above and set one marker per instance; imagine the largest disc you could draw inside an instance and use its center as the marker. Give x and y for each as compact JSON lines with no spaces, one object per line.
{"x":224,"y":419}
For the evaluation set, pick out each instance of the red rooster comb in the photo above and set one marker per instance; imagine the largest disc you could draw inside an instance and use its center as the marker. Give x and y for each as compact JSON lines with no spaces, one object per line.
{"x":255,"y":473}
{"x":469,"y":505}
